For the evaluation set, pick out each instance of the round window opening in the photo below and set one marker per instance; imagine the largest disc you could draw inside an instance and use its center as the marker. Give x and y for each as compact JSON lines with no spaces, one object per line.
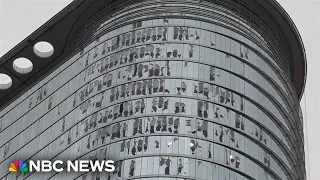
{"x":22,"y":65}
{"x":43,"y":49}
{"x":5,"y":81}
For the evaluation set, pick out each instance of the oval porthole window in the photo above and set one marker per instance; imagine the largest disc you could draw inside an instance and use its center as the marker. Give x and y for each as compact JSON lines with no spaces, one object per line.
{"x":43,"y":49}
{"x":22,"y":65}
{"x":5,"y":81}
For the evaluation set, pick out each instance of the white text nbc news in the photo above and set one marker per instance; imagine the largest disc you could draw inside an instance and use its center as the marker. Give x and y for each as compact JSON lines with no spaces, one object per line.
{"x":75,"y":166}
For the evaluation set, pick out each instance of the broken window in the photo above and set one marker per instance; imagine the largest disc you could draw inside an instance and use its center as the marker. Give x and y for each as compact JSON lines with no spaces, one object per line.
{"x":200,"y":104}
{"x":116,"y":131}
{"x":104,"y":133}
{"x":148,"y":35}
{"x":154,"y":34}
{"x":239,"y":122}
{"x":87,"y":59}
{"x":158,"y":127}
{"x":123,"y":90}
{"x":123,"y":39}
{"x":124,"y":56}
{"x":160,"y":33}
{"x":107,"y":80}
{"x":130,"y":108}
{"x":63,"y":124}
{"x":99,"y":103}
{"x":122,"y":146}
{"x":181,"y":33}
{"x":6,"y":149}
{"x":113,"y":44}
{"x":152,"y":125}
{"x":124,"y":129}
{"x":158,"y":52}
{"x":180,"y":107}
{"x":77,"y":130}
{"x":149,"y":50}
{"x":145,"y":146}
{"x":167,"y":163}
{"x":244,"y":52}
{"x":194,"y":145}
{"x":209,"y":151}
{"x":203,"y":107}
{"x":193,"y":126}
{"x":134,"y":149}
{"x":155,"y":85}
{"x":154,"y":105}
{"x":205,"y":128}
{"x":90,"y":87}
{"x":89,"y":142}
{"x":119,"y":168}
{"x":132,"y":168}
{"x":191,"y":51}
{"x":138,"y":34}
{"x":95,"y":52}
{"x":140,"y":145}
{"x":146,"y":86}
{"x":118,"y":40}
{"x":220,"y":133}
{"x":113,"y":96}
{"x":50,"y":103}
{"x":139,"y":106}
{"x":234,"y":160}
{"x":182,"y":88}
{"x":199,"y":125}
{"x":180,"y":166}
{"x":139,"y":88}
{"x":30,"y":102}
{"x":102,"y":66}
{"x":175,"y":33}
{"x":93,"y":121}
{"x":116,"y":112}
{"x":164,"y":123}
{"x":237,"y":161}
{"x":212,"y":73}
{"x":138,"y":24}
{"x":241,"y":104}
{"x":69,"y":137}
{"x":137,"y":126}
{"x":267,"y":159}
{"x":156,"y":70}
{"x":163,"y":103}
{"x":144,"y":33}
{"x":128,"y":39}
{"x":165,"y":31}
{"x":216,"y":111}
{"x":105,"y":48}
{"x":133,"y":37}
{"x":197,"y":36}
{"x":41,"y":93}
{"x":186,"y":32}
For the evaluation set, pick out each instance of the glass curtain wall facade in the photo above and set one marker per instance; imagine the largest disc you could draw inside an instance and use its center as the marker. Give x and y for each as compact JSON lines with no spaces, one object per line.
{"x":170,"y":90}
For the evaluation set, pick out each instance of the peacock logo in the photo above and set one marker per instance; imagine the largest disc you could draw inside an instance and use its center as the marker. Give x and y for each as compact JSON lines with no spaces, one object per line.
{"x":18,"y":165}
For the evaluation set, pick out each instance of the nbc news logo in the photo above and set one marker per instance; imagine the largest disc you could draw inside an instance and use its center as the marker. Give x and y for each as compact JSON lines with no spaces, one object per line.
{"x":18,"y":165}
{"x":57,"y":166}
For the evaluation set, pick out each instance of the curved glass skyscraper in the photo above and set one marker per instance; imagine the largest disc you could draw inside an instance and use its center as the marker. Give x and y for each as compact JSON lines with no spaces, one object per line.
{"x":170,"y":90}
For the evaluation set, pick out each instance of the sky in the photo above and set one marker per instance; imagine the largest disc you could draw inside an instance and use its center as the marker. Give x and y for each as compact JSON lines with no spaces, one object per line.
{"x":19,"y":18}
